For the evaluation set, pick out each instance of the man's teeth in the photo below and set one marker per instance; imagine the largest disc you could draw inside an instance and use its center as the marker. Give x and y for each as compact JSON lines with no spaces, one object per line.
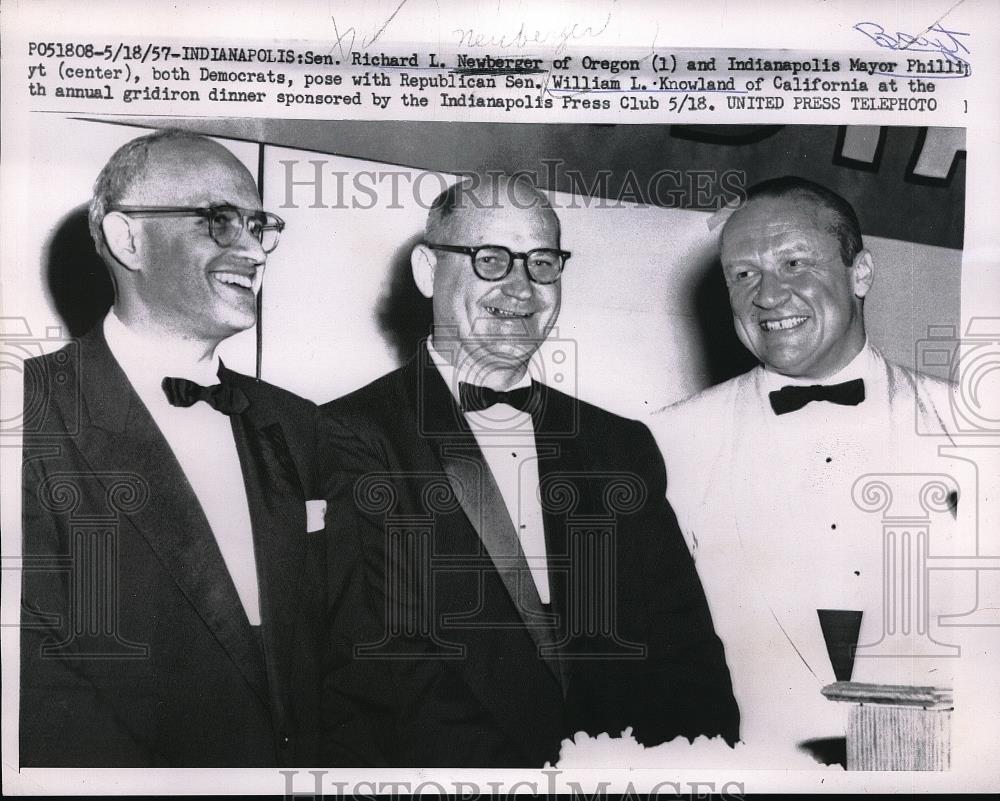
{"x":783,"y":324}
{"x":504,"y":313}
{"x":244,"y":281}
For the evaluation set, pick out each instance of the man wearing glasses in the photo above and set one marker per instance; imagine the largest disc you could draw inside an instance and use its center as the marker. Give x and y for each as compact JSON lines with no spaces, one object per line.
{"x":527,"y":577}
{"x":171,"y":593}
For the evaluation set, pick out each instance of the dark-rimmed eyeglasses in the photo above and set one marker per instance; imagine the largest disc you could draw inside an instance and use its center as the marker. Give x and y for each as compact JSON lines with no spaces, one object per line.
{"x":225,"y":222}
{"x":494,"y":262}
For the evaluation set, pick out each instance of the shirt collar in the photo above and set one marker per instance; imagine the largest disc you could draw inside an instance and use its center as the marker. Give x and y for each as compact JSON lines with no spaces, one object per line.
{"x":452,"y":377}
{"x":148,"y":360}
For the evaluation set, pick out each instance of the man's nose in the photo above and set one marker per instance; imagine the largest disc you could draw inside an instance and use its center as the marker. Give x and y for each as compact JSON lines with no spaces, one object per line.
{"x":249,"y":247}
{"x":771,"y":291}
{"x":517,"y":284}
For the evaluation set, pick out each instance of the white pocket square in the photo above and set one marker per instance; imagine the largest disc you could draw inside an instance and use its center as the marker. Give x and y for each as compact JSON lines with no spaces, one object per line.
{"x":315,"y":515}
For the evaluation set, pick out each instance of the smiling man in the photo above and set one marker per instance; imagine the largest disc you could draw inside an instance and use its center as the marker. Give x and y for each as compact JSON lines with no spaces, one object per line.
{"x":797,"y":278}
{"x":527,"y":576}
{"x":172,"y":596}
{"x":761,"y":467}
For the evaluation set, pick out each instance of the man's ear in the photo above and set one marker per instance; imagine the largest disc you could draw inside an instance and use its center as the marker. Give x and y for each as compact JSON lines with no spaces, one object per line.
{"x":423,"y":263}
{"x":120,"y":234}
{"x":862,"y":273}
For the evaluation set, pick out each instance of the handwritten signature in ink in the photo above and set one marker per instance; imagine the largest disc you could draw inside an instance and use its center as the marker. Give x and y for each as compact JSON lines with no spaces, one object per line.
{"x":936,"y":39}
{"x":527,"y":35}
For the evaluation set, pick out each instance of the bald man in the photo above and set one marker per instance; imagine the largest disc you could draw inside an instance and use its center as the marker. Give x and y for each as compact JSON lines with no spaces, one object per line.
{"x":527,"y":578}
{"x":172,"y":587}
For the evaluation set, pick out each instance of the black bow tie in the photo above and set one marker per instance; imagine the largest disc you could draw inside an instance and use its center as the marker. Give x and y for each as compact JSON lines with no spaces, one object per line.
{"x":221,"y":397}
{"x":792,"y":398}
{"x":474,"y":398}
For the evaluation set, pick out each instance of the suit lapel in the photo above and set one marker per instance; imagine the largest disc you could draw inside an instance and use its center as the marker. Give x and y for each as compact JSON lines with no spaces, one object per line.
{"x":277,"y":511}
{"x":800,"y":628}
{"x":125,"y":437}
{"x":472,"y":481}
{"x":555,"y":421}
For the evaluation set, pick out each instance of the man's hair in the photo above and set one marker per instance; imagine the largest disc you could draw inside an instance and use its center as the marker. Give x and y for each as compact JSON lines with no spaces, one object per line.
{"x":845,"y":226}
{"x":120,"y":173}
{"x":468,"y":193}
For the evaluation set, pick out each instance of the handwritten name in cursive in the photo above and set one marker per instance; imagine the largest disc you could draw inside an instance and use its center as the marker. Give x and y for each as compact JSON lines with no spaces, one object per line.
{"x":936,"y":39}
{"x":559,"y":39}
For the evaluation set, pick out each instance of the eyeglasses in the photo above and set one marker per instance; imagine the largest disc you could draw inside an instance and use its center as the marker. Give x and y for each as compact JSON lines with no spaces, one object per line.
{"x":494,"y":262}
{"x":225,"y":223}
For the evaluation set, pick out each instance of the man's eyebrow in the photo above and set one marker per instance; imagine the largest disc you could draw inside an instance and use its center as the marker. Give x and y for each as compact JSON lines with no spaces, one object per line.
{"x":796,"y":245}
{"x":791,"y":246}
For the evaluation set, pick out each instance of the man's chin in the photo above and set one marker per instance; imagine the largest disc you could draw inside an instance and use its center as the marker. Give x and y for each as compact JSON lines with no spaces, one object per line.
{"x":793,"y":365}
{"x":503,"y":357}
{"x":233,"y":324}
{"x":789,"y":354}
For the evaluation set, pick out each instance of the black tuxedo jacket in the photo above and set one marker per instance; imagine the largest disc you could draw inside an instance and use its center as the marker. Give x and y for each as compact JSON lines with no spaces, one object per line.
{"x":135,"y":648}
{"x":461,"y":664}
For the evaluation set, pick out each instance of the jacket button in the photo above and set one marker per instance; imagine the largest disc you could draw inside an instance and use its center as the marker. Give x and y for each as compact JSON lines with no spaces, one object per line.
{"x":285,"y":741}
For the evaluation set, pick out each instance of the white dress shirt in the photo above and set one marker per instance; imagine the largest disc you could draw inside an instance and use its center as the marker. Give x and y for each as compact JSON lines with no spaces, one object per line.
{"x":506,"y":436}
{"x":765,"y":502}
{"x":201,"y":439}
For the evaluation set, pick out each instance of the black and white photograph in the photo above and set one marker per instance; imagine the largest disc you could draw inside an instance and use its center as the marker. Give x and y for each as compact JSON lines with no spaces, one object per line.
{"x":461,"y":438}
